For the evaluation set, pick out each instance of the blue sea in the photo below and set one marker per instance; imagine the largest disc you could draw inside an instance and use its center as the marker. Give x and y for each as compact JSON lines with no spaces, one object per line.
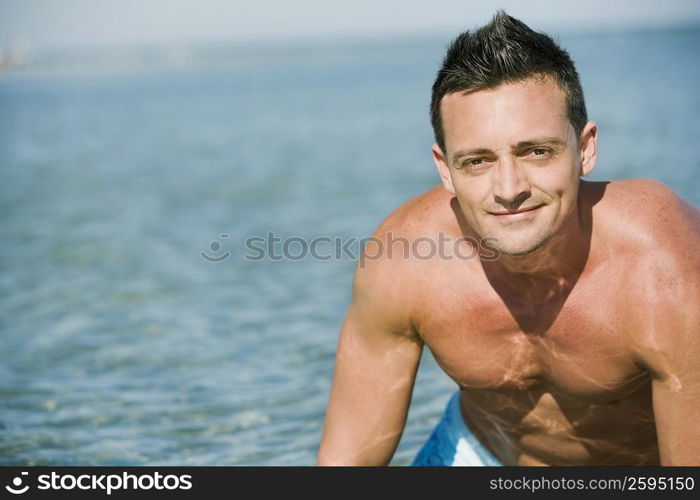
{"x":123,"y":342}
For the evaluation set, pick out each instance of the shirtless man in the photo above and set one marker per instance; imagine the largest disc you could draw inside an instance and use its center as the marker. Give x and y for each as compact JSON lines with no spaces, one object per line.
{"x":580,"y":343}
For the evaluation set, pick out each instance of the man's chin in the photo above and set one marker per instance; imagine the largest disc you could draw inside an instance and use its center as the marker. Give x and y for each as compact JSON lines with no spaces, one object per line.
{"x":518,"y":247}
{"x":518,"y":252}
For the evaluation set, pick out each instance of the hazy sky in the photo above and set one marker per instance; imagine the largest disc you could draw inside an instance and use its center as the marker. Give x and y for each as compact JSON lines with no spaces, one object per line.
{"x":109,"y":22}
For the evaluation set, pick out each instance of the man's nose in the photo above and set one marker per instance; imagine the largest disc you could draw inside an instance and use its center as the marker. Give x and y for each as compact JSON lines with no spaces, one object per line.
{"x":510,"y":183}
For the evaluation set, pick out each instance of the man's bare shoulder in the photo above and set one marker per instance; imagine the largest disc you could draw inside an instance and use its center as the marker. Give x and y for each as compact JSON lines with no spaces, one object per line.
{"x":646,"y":215}
{"x":650,"y":235}
{"x":422,"y":216}
{"x":657,"y":235}
{"x":387,"y":273}
{"x":428,"y":212}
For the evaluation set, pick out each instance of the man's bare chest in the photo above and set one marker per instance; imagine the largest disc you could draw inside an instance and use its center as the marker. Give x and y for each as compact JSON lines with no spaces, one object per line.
{"x":581,"y":348}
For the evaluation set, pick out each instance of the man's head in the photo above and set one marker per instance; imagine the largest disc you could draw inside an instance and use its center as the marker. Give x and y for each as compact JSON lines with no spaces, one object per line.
{"x":511,"y":133}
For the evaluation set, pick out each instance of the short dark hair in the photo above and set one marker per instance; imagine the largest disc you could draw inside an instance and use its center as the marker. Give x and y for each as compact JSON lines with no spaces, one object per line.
{"x":504,"y":51}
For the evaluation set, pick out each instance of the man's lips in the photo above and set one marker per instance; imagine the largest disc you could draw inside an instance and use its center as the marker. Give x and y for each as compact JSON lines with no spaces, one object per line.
{"x":518,"y":211}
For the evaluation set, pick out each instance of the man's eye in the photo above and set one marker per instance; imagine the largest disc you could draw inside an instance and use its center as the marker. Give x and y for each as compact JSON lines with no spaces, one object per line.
{"x":540,"y":152}
{"x":474,"y":162}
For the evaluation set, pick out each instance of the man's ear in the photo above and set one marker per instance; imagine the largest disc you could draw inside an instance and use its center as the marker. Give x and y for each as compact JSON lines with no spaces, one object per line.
{"x":444,"y":171}
{"x":589,"y":148}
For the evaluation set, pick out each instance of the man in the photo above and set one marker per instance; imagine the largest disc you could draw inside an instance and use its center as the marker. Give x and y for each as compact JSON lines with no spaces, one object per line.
{"x":574,"y":335}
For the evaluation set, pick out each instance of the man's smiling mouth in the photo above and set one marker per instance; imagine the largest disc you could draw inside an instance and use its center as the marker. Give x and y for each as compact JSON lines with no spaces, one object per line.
{"x":517,"y":214}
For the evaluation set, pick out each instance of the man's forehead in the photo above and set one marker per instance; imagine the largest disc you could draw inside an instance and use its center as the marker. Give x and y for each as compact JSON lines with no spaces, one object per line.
{"x":540,"y":88}
{"x":509,"y":112}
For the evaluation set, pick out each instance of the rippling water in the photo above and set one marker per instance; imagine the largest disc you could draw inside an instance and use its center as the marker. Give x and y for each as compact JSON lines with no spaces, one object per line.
{"x":122,"y":345}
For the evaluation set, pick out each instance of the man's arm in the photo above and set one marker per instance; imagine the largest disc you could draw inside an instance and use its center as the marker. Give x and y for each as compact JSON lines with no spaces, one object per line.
{"x":673,"y":344}
{"x":676,"y":389}
{"x":376,"y":363}
{"x":675,"y":363}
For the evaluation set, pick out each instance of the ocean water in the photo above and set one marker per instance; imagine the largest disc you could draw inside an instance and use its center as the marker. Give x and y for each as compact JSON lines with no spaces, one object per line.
{"x":123,"y":345}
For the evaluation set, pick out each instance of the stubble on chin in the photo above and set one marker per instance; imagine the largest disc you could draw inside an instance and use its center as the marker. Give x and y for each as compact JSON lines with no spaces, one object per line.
{"x":520,"y":244}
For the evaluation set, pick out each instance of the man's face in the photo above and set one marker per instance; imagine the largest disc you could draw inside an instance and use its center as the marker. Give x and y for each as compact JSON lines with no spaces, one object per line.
{"x":513,"y":161}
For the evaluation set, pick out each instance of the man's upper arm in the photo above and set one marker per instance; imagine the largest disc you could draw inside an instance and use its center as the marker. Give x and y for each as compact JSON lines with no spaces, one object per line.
{"x":376,"y":362}
{"x":676,"y":390}
{"x":673,"y":345}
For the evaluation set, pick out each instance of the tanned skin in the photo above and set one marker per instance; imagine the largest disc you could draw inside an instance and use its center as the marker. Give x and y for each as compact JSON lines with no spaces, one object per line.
{"x":578,"y":345}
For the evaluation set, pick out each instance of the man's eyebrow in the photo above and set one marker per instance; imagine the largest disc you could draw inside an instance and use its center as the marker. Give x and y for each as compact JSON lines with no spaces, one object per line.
{"x":468,"y":152}
{"x":541,"y":141}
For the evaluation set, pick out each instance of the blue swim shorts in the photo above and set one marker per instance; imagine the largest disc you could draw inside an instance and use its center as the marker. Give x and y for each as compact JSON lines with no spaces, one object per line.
{"x":452,"y":443}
